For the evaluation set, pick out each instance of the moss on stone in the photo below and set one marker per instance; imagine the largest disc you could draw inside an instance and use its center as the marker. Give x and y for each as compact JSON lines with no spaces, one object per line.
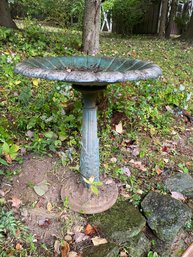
{"x":105,"y":250}
{"x":122,"y":222}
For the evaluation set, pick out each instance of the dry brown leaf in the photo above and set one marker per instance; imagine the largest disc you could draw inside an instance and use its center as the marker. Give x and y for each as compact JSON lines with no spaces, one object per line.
{"x":119,"y":128}
{"x":2,"y":193}
{"x":18,"y":247}
{"x":16,"y":202}
{"x":89,"y":230}
{"x":44,"y":223}
{"x":138,"y":165}
{"x":49,"y":206}
{"x":65,"y":249}
{"x":158,"y":171}
{"x":8,"y":158}
{"x":57,"y":245}
{"x":79,"y":237}
{"x":99,"y":241}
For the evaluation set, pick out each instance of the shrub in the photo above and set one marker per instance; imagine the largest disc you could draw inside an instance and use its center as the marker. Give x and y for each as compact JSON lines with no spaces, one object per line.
{"x":126,"y":14}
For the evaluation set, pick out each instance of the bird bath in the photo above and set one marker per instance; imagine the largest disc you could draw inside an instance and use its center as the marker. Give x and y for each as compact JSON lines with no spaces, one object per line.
{"x":89,"y":75}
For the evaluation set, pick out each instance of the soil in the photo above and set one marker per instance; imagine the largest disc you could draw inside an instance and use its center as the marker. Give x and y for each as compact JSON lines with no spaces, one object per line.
{"x":45,"y":224}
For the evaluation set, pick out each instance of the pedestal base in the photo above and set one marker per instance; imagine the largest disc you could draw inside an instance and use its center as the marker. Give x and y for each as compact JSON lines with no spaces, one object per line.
{"x":81,"y":199}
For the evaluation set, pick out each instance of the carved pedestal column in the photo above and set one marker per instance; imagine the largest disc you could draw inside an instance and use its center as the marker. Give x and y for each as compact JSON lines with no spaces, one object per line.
{"x":80,"y":196}
{"x":89,"y":158}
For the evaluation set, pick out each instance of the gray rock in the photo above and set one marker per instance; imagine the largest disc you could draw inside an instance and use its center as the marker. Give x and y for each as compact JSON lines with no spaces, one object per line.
{"x":172,"y":249}
{"x":122,"y":222}
{"x":182,"y":183}
{"x":105,"y":250}
{"x":165,"y":215}
{"x":138,"y":246}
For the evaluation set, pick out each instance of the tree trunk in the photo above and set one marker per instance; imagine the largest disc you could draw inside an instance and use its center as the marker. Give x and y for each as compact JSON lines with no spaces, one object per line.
{"x":188,"y":34}
{"x":163,"y":18}
{"x":91,"y":27}
{"x":5,"y":16}
{"x":171,"y":18}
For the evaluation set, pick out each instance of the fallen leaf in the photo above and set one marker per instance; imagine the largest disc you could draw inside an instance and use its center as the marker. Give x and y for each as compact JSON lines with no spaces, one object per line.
{"x":44,"y":223}
{"x":40,"y":203}
{"x":89,"y":230}
{"x":79,"y":237}
{"x":135,"y":152}
{"x":18,"y":232}
{"x":138,"y":165}
{"x":16,"y":202}
{"x":57,"y":245}
{"x":169,"y":109}
{"x":113,"y":160}
{"x":178,"y":196}
{"x":158,"y":171}
{"x":108,"y":181}
{"x":41,"y":188}
{"x":126,"y":171}
{"x":17,"y":82}
{"x":119,"y":128}
{"x":8,"y":158}
{"x":2,"y":193}
{"x":18,"y":247}
{"x":49,"y":206}
{"x":123,"y":254}
{"x":124,"y":193}
{"x":139,"y":191}
{"x":165,"y":149}
{"x":29,"y":133}
{"x":73,"y":254}
{"x":35,"y":82}
{"x":99,"y":241}
{"x":65,"y":249}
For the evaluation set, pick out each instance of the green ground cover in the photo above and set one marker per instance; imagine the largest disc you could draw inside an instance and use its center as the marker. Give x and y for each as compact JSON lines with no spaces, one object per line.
{"x":156,"y":135}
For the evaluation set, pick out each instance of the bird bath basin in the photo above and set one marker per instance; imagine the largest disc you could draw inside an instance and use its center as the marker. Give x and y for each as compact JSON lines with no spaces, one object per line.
{"x":89,"y":75}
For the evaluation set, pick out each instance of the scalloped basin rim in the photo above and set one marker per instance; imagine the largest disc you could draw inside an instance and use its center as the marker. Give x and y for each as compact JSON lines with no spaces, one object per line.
{"x":88,"y":70}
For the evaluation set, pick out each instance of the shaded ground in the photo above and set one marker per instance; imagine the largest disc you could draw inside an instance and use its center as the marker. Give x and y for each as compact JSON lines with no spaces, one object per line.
{"x":45,"y":215}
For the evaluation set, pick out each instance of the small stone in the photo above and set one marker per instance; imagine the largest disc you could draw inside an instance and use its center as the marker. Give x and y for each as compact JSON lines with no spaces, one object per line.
{"x":165,"y":215}
{"x":120,"y":223}
{"x":72,"y":254}
{"x":182,"y":183}
{"x":68,"y":238}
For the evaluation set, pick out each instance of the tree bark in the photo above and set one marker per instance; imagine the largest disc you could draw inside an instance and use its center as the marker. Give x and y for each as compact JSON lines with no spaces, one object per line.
{"x":188,"y":34}
{"x":5,"y":16}
{"x":162,"y":28}
{"x":91,"y":27}
{"x":171,"y":18}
